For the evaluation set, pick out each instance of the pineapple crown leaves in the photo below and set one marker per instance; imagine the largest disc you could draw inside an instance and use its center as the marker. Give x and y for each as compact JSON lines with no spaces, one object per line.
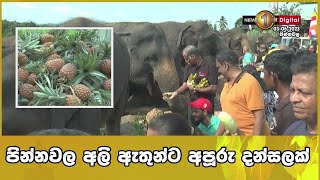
{"x":28,"y":44}
{"x":103,"y":46}
{"x":100,"y":98}
{"x":87,"y":62}
{"x":48,"y":95}
{"x":36,"y":67}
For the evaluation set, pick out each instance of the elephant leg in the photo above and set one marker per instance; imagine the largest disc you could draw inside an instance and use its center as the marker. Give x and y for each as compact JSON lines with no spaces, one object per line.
{"x":61,"y":117}
{"x":87,"y":120}
{"x":113,"y":121}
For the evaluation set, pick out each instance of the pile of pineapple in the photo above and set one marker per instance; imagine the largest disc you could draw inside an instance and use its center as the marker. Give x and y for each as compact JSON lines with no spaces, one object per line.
{"x":64,"y":67}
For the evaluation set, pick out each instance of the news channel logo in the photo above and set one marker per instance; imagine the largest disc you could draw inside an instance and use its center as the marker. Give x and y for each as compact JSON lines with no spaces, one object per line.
{"x":265,"y":20}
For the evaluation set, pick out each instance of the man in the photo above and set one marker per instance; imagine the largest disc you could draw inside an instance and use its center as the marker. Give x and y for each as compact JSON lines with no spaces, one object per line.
{"x":303,"y":96}
{"x":277,"y":77}
{"x":209,"y":124}
{"x":242,"y":96}
{"x":263,"y":50}
{"x":196,"y":64}
{"x":247,"y":58}
{"x":294,"y":47}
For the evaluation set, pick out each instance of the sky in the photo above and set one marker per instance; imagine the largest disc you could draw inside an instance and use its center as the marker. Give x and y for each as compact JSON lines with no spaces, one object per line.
{"x":59,"y":12}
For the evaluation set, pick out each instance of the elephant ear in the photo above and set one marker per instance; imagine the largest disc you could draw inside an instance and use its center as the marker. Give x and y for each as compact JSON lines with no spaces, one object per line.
{"x":181,"y":34}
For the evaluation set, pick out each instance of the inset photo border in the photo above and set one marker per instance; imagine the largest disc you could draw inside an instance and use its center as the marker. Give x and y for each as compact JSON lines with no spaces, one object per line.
{"x":64,"y":67}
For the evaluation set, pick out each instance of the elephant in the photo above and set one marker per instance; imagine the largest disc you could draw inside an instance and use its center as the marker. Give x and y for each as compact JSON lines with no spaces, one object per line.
{"x":152,"y":66}
{"x":266,"y":38}
{"x":19,"y":121}
{"x":157,"y":48}
{"x":199,"y":34}
{"x":8,"y":45}
{"x":236,"y":39}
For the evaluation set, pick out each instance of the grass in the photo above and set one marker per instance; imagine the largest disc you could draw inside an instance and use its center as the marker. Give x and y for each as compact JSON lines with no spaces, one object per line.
{"x":140,"y":125}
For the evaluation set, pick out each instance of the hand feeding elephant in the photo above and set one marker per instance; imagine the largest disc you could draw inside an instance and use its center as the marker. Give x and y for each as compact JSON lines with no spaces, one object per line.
{"x":199,"y":34}
{"x":24,"y":121}
{"x":152,"y":66}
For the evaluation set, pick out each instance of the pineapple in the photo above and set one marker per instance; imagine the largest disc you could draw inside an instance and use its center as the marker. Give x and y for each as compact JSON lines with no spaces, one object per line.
{"x":54,"y":65}
{"x":72,"y":100}
{"x":46,"y":38}
{"x":82,"y":91}
{"x":23,"y":74}
{"x":105,"y":67}
{"x":22,"y":59}
{"x":107,"y":85}
{"x":47,"y":45}
{"x":68,"y":71}
{"x":26,"y":91}
{"x":54,"y":56}
{"x":32,"y":79}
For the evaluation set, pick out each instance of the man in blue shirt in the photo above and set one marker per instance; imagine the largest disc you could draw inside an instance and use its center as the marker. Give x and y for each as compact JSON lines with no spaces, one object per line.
{"x":247,"y":58}
{"x":209,"y":123}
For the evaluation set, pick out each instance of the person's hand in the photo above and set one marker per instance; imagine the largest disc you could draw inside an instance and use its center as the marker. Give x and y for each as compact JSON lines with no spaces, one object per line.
{"x":171,"y":94}
{"x":191,"y":88}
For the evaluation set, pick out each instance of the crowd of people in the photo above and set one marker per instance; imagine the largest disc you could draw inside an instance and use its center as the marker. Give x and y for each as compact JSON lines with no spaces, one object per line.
{"x":272,"y":92}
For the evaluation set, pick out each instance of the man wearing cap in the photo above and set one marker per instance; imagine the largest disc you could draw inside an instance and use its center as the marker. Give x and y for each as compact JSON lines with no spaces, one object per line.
{"x":204,"y":70}
{"x":209,"y":124}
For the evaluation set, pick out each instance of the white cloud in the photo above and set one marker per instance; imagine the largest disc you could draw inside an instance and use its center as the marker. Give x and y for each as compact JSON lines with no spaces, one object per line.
{"x":25,"y":5}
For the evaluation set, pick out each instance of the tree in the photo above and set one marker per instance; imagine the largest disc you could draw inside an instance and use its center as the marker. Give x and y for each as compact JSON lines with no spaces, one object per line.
{"x":238,"y":23}
{"x":223,"y":24}
{"x":285,"y":10}
{"x":215,"y":27}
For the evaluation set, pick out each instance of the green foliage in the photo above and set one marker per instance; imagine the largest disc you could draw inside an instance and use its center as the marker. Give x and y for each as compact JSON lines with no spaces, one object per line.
{"x":285,"y":10}
{"x":256,"y":31}
{"x":238,"y":23}
{"x":100,"y":98}
{"x":223,"y":24}
{"x":140,"y":125}
{"x":48,"y":95}
{"x":9,"y":27}
{"x":84,"y":48}
{"x":215,"y":27}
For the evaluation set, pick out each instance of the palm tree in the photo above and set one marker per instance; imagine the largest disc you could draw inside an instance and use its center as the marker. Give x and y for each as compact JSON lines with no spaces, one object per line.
{"x":223,"y":23}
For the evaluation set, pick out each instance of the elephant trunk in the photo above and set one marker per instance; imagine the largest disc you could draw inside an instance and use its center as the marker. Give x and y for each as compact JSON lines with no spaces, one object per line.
{"x":166,"y":76}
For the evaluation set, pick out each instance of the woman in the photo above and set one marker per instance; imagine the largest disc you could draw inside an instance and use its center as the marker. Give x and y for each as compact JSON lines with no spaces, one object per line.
{"x":312,"y":49}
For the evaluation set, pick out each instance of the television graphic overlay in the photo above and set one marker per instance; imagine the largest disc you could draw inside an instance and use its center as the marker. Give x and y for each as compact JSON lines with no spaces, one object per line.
{"x":64,"y":67}
{"x":285,"y":25}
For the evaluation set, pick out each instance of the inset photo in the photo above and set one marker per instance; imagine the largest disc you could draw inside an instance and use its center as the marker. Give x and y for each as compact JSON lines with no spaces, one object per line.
{"x":64,"y":67}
